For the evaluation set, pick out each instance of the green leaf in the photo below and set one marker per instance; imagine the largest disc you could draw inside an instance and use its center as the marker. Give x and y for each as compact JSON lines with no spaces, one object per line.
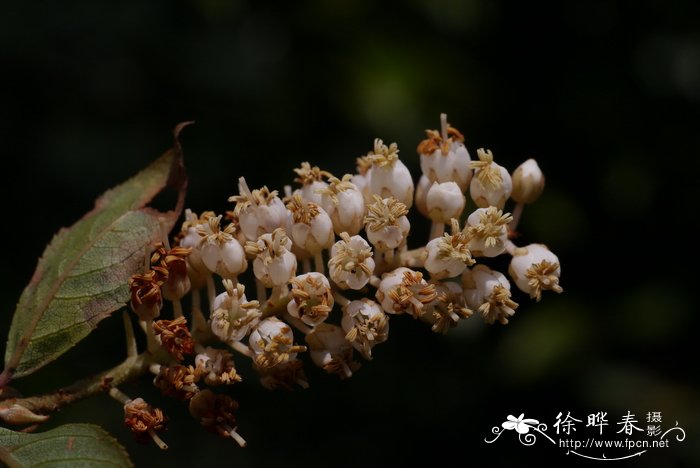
{"x":82,"y":276}
{"x":71,"y":445}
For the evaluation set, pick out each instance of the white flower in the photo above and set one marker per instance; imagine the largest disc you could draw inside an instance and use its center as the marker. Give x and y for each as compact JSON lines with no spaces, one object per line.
{"x":274,"y":263}
{"x":259,"y":212}
{"x":312,"y":182}
{"x":534,"y":269}
{"x":487,"y":229}
{"x":528,"y":182}
{"x":365,"y":325}
{"x":217,"y":366}
{"x":312,"y":299}
{"x":447,"y":309}
{"x":232,"y":314}
{"x":272,"y":343}
{"x":386,"y":223}
{"x":351,"y":263}
{"x":444,"y":158}
{"x":445,"y":201}
{"x":488,"y":291}
{"x":345,"y":205}
{"x":309,"y":225}
{"x":390,"y":177}
{"x":404,"y":291}
{"x":421,"y":197}
{"x":196,"y":269}
{"x":330,"y":350}
{"x":491,"y":184}
{"x":220,"y":251}
{"x":449,"y":255}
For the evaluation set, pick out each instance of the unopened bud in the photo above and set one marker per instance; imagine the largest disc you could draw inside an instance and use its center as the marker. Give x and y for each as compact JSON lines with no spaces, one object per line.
{"x":528,"y":182}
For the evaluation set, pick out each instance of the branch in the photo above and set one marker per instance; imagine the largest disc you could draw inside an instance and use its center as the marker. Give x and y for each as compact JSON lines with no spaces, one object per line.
{"x":20,"y":410}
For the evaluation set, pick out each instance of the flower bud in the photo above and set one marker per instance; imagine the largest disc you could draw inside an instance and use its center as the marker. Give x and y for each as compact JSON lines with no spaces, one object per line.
{"x":258,"y":211}
{"x":528,"y":182}
{"x":445,"y":201}
{"x":386,"y":223}
{"x":390,"y":177}
{"x":487,"y":229}
{"x":345,"y":204}
{"x":274,"y":262}
{"x":309,"y":225}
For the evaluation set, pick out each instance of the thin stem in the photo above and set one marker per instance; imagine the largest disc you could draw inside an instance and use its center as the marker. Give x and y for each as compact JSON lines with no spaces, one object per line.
{"x":436,"y":230}
{"x":199,"y":323}
{"x":517,"y":213}
{"x":318,"y":263}
{"x":340,"y":299}
{"x":510,"y":247}
{"x":306,"y":265}
{"x":241,"y":348}
{"x":164,"y":234}
{"x":131,"y":349}
{"x":374,"y":281}
{"x":177,"y":308}
{"x":119,"y":396}
{"x":211,"y":292}
{"x":234,"y":435}
{"x":443,"y":126}
{"x":296,"y":323}
{"x":151,"y":340}
{"x":260,"y":291}
{"x":159,"y":442}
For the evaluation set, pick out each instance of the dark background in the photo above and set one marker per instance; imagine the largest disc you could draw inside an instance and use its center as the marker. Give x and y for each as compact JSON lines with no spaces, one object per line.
{"x":604,"y":94}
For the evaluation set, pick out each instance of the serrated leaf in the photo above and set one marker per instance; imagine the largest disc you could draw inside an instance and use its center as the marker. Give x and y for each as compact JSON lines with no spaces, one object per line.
{"x":82,"y":276}
{"x":71,"y":445}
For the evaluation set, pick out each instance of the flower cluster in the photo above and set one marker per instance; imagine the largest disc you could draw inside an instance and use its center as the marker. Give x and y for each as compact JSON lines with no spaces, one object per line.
{"x":331,"y":264}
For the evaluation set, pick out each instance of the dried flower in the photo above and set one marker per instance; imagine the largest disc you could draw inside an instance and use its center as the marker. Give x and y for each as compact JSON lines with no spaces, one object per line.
{"x":177,"y":381}
{"x":175,"y":337}
{"x":216,"y":413}
{"x":146,"y":294}
{"x":144,"y":421}
{"x":448,"y":307}
{"x":217,"y":367}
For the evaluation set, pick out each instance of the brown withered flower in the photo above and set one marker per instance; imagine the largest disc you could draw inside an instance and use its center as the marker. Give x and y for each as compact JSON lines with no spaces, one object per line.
{"x":146,"y":294}
{"x":174,"y":262}
{"x":216,"y":413}
{"x":177,"y":381}
{"x":175,"y":337}
{"x":144,"y":421}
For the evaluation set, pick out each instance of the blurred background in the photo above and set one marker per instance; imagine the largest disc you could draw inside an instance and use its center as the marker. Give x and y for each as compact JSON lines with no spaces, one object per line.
{"x":605,"y":94}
